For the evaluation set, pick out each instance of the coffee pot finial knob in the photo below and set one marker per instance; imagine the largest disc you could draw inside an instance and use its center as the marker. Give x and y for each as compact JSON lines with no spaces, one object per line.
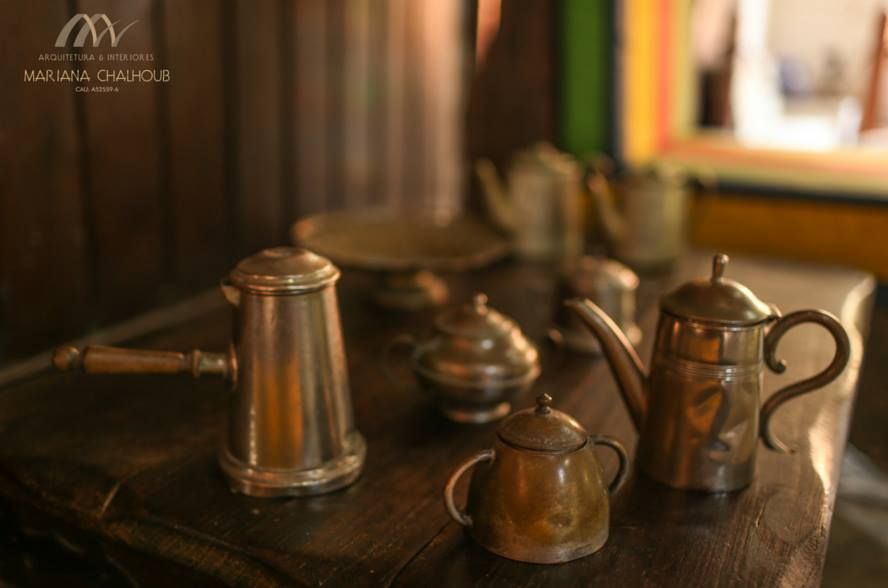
{"x":543,"y":402}
{"x":718,"y":266}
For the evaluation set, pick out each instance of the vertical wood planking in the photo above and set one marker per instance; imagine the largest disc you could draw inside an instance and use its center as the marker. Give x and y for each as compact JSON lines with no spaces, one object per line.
{"x":356,"y":93}
{"x":260,"y":194}
{"x":196,"y":142}
{"x":440,"y":36}
{"x":414,"y":170}
{"x":44,"y":283}
{"x":335,"y":63}
{"x":123,"y":166}
{"x":309,"y":120}
{"x":377,"y":96}
{"x":395,"y":101}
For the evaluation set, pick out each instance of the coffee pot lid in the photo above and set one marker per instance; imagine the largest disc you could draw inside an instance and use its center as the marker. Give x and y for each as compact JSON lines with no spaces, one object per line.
{"x":283,"y":270}
{"x":475,"y":343}
{"x":717,"y":299}
{"x":543,"y":428}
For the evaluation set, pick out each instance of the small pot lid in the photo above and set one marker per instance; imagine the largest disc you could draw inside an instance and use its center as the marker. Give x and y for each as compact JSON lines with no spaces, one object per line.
{"x":283,"y":270}
{"x":543,"y":429}
{"x":593,"y":274}
{"x":717,"y":299}
{"x":474,"y":345}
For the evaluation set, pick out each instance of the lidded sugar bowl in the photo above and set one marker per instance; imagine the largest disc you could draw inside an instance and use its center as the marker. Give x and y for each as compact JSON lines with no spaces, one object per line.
{"x":475,"y":362}
{"x":537,"y":495}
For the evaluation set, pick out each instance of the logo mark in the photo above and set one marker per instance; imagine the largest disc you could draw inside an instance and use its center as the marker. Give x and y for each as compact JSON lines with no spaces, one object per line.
{"x":89,"y":28}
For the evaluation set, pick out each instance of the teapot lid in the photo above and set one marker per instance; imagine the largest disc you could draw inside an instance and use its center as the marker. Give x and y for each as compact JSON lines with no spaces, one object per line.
{"x":496,"y":352}
{"x":543,"y":429}
{"x":283,"y":270}
{"x":717,"y":299}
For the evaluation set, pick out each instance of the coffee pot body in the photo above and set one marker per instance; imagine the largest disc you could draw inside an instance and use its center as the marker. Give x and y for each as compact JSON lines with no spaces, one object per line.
{"x":290,"y":426}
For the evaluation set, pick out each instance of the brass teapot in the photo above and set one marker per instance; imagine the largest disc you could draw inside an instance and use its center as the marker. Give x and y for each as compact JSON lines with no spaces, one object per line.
{"x":698,"y":410}
{"x":539,"y":496}
{"x":540,"y":204}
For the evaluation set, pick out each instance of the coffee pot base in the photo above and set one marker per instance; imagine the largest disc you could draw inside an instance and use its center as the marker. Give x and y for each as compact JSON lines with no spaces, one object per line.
{"x":261,"y":482}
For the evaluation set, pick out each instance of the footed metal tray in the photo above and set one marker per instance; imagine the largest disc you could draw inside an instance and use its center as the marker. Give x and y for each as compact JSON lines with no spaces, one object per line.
{"x":404,"y":250}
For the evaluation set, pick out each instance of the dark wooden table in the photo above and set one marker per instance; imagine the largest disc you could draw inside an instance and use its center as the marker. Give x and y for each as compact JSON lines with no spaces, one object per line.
{"x":121,"y":471}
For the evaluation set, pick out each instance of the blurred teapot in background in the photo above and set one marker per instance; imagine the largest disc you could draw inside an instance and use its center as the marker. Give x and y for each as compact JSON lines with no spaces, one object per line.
{"x":646,"y":224}
{"x":540,"y":203}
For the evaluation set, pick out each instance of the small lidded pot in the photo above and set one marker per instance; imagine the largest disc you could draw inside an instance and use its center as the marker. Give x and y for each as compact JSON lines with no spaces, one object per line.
{"x":474,"y":364}
{"x":606,"y":282}
{"x":537,"y":496}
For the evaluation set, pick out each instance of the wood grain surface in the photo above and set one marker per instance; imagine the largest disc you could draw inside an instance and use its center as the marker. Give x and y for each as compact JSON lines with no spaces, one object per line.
{"x":130,"y":461}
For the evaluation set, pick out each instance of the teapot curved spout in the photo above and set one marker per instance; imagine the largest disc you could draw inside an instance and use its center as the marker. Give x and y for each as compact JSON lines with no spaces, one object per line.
{"x":496,"y":196}
{"x":627,"y":367}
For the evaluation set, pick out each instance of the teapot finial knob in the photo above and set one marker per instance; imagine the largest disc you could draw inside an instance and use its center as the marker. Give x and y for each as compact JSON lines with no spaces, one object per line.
{"x":718,"y":266}
{"x":543,"y":402}
{"x":479,"y":302}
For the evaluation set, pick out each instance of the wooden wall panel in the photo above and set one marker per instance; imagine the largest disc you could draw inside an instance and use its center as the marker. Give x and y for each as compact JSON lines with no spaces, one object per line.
{"x":195,"y":132}
{"x":122,"y":146}
{"x":275,"y":109}
{"x":259,"y":139}
{"x":309,"y":26}
{"x":512,"y":102}
{"x":44,"y":268}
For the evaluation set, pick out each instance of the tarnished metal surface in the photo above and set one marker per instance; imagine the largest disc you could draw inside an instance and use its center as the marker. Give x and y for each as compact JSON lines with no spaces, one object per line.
{"x":290,"y":426}
{"x":474,"y":364}
{"x":698,"y":411}
{"x":542,"y":503}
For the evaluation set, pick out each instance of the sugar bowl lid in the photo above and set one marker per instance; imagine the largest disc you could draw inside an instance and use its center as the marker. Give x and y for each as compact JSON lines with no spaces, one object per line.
{"x":475,"y":344}
{"x":717,"y":299}
{"x":543,"y":428}
{"x":282,"y":270}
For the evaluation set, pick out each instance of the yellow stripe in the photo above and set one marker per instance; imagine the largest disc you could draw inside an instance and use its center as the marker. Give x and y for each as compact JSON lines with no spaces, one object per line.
{"x":823,"y":232}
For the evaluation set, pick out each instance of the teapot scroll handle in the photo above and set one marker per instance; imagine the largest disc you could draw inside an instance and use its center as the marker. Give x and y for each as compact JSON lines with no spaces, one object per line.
{"x":832,"y":371}
{"x":459,"y":516}
{"x":622,"y":467}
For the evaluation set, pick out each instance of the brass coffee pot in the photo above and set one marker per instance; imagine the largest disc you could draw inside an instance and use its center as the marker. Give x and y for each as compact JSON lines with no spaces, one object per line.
{"x":539,"y":496}
{"x":698,"y":410}
{"x":290,"y":426}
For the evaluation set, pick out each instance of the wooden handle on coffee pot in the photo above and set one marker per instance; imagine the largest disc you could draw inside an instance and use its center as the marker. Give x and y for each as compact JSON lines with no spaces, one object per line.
{"x":99,"y":359}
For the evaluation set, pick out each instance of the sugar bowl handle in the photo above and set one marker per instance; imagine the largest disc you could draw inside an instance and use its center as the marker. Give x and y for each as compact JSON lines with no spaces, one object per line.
{"x":832,"y":371}
{"x":99,"y":359}
{"x":622,"y":455}
{"x":459,"y":516}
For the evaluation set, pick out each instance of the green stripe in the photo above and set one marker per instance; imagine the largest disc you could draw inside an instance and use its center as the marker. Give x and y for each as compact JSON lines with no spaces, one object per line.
{"x":587,"y":57}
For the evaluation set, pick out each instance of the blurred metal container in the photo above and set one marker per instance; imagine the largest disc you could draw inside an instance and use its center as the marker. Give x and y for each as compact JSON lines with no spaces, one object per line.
{"x":608,"y":283}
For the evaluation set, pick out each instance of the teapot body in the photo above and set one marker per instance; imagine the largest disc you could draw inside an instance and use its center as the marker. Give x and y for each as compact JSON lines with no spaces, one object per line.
{"x":704,"y":393}
{"x":548,"y":211}
{"x":561,"y":512}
